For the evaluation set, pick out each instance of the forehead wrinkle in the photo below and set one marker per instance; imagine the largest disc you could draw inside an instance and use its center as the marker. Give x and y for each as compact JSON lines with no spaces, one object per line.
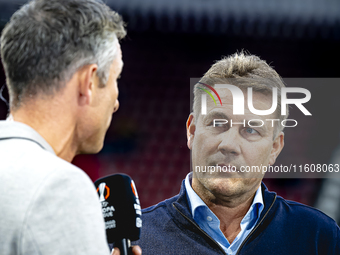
{"x":262,"y":101}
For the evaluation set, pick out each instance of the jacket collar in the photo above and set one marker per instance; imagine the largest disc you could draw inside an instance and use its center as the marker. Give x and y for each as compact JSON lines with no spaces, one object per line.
{"x":182,"y":204}
{"x":18,"y":130}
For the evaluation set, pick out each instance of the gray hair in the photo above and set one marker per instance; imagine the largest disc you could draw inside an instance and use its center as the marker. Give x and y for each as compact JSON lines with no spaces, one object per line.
{"x":47,"y":41}
{"x":243,"y":71}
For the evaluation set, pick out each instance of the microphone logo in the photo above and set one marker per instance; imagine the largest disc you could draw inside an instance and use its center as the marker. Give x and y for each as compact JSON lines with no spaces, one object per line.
{"x":134,"y":190}
{"x":102,"y":188}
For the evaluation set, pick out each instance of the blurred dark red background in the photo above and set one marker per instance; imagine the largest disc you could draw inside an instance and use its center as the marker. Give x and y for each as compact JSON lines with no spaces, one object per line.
{"x":147,"y":137}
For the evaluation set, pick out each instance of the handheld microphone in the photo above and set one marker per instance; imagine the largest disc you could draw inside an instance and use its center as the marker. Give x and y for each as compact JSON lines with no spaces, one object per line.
{"x":121,"y":210}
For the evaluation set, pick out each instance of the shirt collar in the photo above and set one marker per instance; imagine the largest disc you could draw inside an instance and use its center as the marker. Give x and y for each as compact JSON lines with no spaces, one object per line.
{"x":16,"y":130}
{"x":195,"y":201}
{"x":256,"y":207}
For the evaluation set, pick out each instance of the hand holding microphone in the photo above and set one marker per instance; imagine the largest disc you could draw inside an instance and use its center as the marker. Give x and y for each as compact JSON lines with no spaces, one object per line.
{"x":136,"y":250}
{"x":121,"y":210}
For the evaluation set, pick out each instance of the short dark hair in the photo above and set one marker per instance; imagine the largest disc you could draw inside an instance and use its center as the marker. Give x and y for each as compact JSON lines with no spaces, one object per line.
{"x":47,"y":41}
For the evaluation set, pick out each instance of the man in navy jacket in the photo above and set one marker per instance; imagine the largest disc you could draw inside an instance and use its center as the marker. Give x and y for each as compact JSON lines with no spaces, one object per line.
{"x":223,"y":206}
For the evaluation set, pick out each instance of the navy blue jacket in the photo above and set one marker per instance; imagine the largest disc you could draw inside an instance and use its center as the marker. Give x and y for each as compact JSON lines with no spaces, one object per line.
{"x":284,"y":228}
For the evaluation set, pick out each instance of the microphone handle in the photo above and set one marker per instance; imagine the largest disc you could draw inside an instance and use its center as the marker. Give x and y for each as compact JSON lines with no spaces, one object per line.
{"x":124,"y":246}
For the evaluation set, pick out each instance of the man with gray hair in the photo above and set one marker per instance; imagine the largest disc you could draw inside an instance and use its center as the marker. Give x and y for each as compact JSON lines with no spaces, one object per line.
{"x":62,"y":59}
{"x":222,"y":208}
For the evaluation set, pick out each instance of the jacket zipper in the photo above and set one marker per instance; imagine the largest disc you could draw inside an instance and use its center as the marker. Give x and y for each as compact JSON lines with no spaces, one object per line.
{"x":200,"y":229}
{"x":257,"y":225}
{"x":242,"y":244}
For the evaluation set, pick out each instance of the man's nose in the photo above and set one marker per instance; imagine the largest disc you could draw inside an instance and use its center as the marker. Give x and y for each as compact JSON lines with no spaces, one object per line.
{"x":115,"y":108}
{"x":230,"y":142}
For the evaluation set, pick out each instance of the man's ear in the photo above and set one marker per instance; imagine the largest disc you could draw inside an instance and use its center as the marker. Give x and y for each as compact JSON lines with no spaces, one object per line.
{"x":87,"y":81}
{"x":278,"y":144}
{"x":191,"y":127}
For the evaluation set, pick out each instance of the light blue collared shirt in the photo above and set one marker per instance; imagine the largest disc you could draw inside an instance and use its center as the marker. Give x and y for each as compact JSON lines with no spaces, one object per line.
{"x":208,"y":221}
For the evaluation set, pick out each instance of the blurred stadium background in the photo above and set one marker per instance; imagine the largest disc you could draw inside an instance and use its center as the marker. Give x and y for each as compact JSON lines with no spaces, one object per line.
{"x":170,"y":42}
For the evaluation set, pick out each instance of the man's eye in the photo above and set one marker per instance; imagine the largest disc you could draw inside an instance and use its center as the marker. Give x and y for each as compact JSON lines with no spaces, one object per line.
{"x":217,"y":124}
{"x":251,"y":131}
{"x":220,"y":124}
